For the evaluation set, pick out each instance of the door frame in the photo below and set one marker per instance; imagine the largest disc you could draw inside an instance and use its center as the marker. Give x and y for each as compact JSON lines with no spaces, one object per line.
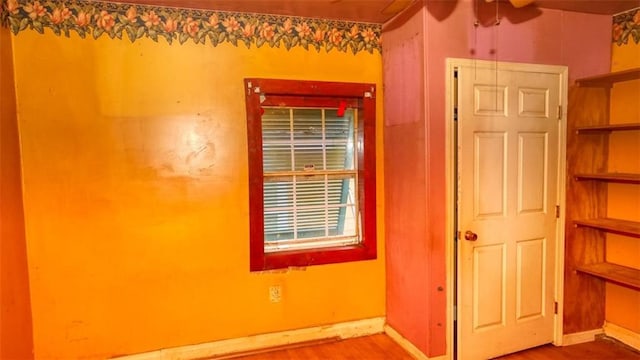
{"x":451,"y":196}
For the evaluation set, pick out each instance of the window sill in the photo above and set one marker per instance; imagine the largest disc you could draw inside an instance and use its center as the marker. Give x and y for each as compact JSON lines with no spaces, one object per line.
{"x":303,"y":258}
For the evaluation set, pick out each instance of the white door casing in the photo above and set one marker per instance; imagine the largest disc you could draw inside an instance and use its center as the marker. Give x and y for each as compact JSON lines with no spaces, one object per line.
{"x":510,"y":173}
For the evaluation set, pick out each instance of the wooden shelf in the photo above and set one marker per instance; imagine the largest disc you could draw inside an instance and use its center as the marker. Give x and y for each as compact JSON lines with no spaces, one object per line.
{"x":607,"y":128}
{"x":618,"y":274}
{"x":624,"y":227}
{"x":591,"y":131}
{"x":611,"y":177}
{"x":607,"y":80}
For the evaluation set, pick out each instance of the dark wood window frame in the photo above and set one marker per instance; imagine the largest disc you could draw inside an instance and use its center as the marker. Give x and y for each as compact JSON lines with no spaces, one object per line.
{"x":294,"y":93}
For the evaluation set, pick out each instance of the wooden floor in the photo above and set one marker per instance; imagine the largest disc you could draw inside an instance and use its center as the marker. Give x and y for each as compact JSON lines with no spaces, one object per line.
{"x":374,"y":347}
{"x":382,"y":347}
{"x":601,"y":349}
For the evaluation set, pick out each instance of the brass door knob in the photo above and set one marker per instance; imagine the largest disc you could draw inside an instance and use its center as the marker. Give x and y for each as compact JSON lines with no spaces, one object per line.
{"x":470,"y":235}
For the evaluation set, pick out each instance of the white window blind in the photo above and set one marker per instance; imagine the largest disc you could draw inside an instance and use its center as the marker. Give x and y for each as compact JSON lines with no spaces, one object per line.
{"x":310,"y":178}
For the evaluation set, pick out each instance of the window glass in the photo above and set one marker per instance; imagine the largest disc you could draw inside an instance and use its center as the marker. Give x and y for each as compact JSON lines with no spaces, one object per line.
{"x":315,"y":199}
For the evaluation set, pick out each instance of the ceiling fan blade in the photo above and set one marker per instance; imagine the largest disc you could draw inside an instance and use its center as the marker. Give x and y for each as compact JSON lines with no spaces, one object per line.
{"x":520,"y":3}
{"x":517,"y":3}
{"x":396,"y":6}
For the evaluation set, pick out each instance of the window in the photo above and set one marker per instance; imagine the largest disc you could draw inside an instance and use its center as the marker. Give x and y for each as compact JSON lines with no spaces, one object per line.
{"x":311,"y":172}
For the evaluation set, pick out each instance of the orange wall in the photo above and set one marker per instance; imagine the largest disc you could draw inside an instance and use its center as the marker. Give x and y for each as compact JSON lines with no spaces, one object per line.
{"x":136,"y":196}
{"x":15,"y":315}
{"x":623,"y":304}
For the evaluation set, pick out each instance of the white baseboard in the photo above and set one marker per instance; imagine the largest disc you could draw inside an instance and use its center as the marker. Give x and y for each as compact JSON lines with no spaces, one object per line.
{"x":580,"y":337}
{"x":623,"y":335}
{"x":408,"y":346}
{"x":343,"y":330}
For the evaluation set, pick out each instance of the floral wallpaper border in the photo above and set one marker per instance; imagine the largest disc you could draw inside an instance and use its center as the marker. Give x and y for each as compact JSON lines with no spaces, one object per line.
{"x":96,"y":19}
{"x":626,"y":25}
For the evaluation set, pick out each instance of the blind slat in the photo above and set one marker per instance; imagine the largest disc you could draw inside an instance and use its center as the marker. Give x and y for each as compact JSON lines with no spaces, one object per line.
{"x":306,"y":208}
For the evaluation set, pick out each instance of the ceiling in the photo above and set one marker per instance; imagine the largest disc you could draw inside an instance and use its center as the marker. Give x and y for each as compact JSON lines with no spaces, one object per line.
{"x":373,"y":11}
{"x":607,"y":7}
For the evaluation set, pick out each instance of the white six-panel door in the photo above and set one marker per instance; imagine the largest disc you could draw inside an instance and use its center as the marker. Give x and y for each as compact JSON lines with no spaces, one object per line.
{"x":508,"y":172}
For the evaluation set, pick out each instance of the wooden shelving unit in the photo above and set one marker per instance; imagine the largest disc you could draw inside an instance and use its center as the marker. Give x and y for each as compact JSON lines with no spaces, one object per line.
{"x":607,"y":80}
{"x":607,"y":128}
{"x":618,"y":274}
{"x":623,"y":227}
{"x":587,"y":225}
{"x":610,"y":177}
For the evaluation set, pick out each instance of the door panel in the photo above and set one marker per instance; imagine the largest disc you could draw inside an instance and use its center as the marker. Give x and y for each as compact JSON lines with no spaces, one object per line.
{"x":489,"y":173}
{"x":530,"y":292}
{"x":532,"y":172}
{"x":490,"y":100}
{"x":533,"y":102}
{"x":489,"y":277}
{"x":508,"y":138}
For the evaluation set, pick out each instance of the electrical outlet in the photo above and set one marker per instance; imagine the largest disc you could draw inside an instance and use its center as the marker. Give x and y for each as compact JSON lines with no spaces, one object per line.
{"x":275,"y":293}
